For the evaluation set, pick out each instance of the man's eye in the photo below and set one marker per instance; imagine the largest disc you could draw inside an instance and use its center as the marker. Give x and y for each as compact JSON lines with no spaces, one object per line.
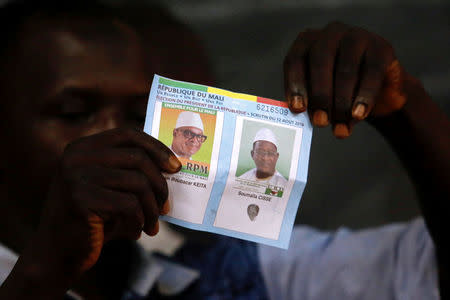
{"x":73,"y":109}
{"x":137,"y":119}
{"x":76,"y":117}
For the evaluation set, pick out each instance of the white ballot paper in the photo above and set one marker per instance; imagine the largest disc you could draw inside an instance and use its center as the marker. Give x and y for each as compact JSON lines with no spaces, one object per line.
{"x":245,"y":159}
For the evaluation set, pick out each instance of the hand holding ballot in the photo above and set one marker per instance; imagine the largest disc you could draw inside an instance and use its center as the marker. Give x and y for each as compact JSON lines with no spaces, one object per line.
{"x":257,"y":158}
{"x":342,"y":75}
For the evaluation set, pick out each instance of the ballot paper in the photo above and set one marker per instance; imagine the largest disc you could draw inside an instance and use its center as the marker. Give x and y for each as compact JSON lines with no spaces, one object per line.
{"x":245,"y":159}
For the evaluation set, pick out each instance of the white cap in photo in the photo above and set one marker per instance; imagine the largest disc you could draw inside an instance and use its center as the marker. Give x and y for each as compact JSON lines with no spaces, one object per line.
{"x":265,"y":134}
{"x":189,"y":119}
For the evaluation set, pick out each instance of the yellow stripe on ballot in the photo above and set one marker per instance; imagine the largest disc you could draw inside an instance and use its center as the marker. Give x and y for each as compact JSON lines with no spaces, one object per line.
{"x":232,"y":94}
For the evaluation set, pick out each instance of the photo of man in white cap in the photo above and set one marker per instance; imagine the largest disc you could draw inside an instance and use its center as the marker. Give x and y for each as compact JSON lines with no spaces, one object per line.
{"x":265,"y":155}
{"x":188,"y":134}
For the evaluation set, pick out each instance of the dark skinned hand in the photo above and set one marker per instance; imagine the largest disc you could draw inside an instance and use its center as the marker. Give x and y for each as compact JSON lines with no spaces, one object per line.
{"x":108,"y":186}
{"x":342,"y":75}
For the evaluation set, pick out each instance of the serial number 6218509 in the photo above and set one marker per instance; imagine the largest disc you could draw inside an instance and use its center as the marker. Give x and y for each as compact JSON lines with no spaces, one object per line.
{"x":272,"y":109}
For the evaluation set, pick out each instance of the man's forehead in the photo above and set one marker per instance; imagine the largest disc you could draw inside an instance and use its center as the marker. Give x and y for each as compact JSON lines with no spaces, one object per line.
{"x":193,"y":129}
{"x":79,"y":51}
{"x":265,"y":144}
{"x":73,"y":37}
{"x":84,"y":26}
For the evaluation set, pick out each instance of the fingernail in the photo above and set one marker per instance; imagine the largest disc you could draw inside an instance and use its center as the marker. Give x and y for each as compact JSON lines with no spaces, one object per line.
{"x":174,"y":163}
{"x":359,"y":111}
{"x":341,"y":131}
{"x":166,"y":208}
{"x":155,"y":229}
{"x":298,"y":103}
{"x":320,"y":118}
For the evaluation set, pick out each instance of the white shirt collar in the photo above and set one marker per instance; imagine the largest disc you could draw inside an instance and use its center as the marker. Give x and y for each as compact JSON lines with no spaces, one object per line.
{"x":174,"y":153}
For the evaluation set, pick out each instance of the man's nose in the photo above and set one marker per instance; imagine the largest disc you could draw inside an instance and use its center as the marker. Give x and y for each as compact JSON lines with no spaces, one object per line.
{"x":107,"y":120}
{"x":111,"y":123}
{"x":265,"y":158}
{"x":194,"y":141}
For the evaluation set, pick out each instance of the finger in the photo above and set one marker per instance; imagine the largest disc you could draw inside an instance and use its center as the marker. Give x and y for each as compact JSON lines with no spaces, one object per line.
{"x":294,"y":68}
{"x":159,"y":186}
{"x":350,"y":53}
{"x":321,"y":70}
{"x":127,"y":181}
{"x":379,"y":56}
{"x":139,"y":160}
{"x":344,"y":130}
{"x":129,"y":223}
{"x":121,"y":212}
{"x":151,"y":212}
{"x":154,"y":230}
{"x":130,"y":137}
{"x":126,"y":158}
{"x":166,"y":208}
{"x":123,"y":226}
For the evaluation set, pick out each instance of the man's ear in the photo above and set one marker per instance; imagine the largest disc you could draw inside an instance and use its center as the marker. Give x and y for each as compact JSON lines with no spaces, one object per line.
{"x":252,"y":153}
{"x":173,"y":133}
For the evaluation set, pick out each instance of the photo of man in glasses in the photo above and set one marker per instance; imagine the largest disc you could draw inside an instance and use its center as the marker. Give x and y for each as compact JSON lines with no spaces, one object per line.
{"x":188,"y":135}
{"x":265,"y":155}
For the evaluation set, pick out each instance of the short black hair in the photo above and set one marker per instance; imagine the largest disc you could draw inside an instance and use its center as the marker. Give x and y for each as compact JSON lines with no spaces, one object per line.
{"x":15,"y":14}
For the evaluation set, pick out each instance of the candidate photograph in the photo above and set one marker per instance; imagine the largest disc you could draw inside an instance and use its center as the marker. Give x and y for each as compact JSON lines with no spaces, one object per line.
{"x":257,"y":193}
{"x":188,"y":135}
{"x":265,"y":153}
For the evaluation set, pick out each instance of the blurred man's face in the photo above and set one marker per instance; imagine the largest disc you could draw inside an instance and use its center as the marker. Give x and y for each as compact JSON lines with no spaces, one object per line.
{"x":265,"y":156}
{"x":187,"y":140}
{"x":66,"y":80}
